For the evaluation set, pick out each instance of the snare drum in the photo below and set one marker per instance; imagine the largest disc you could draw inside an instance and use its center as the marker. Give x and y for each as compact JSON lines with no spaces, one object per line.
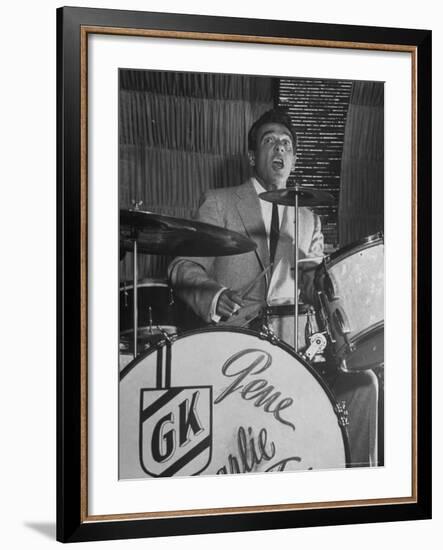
{"x":349,"y":288}
{"x":280,"y":319}
{"x":224,"y":401}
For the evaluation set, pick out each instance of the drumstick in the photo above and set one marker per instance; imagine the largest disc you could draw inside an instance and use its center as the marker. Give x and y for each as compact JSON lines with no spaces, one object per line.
{"x":242,"y":292}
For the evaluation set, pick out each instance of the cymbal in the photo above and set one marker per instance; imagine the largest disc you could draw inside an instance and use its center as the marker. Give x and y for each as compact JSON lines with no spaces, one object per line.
{"x":307,"y":196}
{"x":159,"y":234}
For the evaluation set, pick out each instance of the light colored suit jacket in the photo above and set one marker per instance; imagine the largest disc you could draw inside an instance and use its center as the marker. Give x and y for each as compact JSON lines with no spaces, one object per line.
{"x":196,"y":280}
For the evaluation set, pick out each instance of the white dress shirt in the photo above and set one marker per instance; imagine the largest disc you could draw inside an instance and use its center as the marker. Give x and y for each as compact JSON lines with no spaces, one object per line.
{"x":281,"y":285}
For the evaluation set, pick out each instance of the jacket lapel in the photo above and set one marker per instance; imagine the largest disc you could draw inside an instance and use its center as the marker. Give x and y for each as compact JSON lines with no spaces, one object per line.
{"x":249,"y":209}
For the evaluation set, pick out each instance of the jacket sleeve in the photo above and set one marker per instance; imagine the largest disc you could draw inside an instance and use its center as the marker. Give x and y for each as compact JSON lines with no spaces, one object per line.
{"x":193,"y":277}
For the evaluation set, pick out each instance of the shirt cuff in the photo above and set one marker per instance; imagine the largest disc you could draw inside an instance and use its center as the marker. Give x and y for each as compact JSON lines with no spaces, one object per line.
{"x":212,"y":312}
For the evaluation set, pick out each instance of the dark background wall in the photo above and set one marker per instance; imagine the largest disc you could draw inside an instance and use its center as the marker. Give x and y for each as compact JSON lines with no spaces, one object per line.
{"x":182,"y":133}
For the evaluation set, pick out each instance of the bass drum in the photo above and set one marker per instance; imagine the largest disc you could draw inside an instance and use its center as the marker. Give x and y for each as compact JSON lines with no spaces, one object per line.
{"x":224,"y":401}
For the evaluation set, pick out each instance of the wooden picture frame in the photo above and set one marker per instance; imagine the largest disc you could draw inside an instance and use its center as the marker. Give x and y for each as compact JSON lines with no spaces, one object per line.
{"x":74,"y":26}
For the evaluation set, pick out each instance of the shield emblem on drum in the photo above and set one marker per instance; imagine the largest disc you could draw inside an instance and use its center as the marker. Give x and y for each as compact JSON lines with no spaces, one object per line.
{"x":175,"y":430}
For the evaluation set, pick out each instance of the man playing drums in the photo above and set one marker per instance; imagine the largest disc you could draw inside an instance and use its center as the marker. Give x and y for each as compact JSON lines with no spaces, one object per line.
{"x":234,"y":289}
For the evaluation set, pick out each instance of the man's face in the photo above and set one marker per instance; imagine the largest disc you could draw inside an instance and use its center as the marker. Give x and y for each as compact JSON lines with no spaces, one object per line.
{"x":274,"y":157}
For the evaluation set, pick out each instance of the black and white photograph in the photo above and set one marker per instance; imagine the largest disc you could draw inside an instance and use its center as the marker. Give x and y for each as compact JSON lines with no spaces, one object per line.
{"x":230,"y":360}
{"x":243,"y":274}
{"x":218,"y":318}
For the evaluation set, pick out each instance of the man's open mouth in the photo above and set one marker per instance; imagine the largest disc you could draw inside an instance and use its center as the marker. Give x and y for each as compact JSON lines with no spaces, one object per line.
{"x":278,"y":164}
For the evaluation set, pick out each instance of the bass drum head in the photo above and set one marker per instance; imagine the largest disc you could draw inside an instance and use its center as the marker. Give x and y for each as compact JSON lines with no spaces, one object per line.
{"x":230,"y":403}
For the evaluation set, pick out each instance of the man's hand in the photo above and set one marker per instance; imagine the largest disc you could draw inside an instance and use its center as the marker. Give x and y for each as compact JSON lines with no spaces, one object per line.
{"x":229,"y":303}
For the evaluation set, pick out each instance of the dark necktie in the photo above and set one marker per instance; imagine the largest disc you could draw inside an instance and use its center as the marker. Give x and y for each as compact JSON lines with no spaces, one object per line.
{"x":275,"y":230}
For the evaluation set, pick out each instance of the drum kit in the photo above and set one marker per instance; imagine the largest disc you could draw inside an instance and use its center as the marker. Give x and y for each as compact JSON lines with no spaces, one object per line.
{"x":233,"y":400}
{"x":151,"y":233}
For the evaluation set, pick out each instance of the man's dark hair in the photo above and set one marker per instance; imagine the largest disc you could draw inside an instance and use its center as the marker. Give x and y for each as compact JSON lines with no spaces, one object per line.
{"x":278,"y":116}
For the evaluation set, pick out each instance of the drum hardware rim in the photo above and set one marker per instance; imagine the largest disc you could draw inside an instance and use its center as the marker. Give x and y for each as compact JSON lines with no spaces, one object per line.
{"x":359,"y":338}
{"x":343,"y":367}
{"x":362,"y":336}
{"x":242,"y":330}
{"x":144,"y":284}
{"x":160,"y":328}
{"x":354,"y":247}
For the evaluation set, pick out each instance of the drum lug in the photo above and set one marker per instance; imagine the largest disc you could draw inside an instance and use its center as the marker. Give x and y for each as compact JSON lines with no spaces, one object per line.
{"x":171,"y":297}
{"x":167,"y":339}
{"x":324,"y":315}
{"x":343,"y":366}
{"x":342,"y":414}
{"x":351,"y":347}
{"x":266,"y":333}
{"x":342,"y":322}
{"x":330,"y":288}
{"x":136,"y":205}
{"x":125,"y":294}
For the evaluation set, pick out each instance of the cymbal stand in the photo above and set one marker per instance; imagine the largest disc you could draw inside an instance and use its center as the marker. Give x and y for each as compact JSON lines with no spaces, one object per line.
{"x":136,"y":206}
{"x":135,"y":305}
{"x":296,"y":254}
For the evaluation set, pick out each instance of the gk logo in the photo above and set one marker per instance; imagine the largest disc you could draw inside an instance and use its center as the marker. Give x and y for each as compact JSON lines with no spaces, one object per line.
{"x":175,"y":430}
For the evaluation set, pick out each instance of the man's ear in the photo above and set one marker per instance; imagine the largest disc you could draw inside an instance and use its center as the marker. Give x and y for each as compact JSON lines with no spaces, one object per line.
{"x":294,"y":160}
{"x":251,"y":156}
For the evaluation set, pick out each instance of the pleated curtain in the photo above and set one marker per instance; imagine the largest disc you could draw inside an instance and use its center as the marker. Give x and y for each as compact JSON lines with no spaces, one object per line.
{"x":361,"y":203}
{"x":179,"y":135}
